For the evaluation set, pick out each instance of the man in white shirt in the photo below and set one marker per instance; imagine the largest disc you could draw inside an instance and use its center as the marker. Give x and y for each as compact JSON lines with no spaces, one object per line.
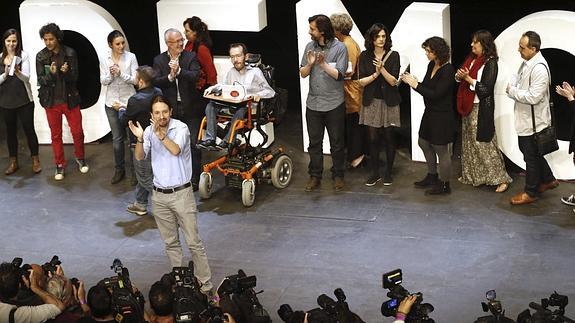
{"x":531,"y":90}
{"x":255,"y":84}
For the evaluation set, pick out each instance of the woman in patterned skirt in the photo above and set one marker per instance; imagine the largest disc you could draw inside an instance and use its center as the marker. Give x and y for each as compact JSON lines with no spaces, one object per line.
{"x":481,"y":160}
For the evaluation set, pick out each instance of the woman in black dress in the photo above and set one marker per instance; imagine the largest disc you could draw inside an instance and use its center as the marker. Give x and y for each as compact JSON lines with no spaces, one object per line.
{"x":378,"y":73}
{"x":438,"y":122}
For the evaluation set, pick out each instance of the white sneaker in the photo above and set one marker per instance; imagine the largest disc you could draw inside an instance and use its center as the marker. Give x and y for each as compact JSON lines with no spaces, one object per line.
{"x":569,"y":200}
{"x":59,"y":175}
{"x":82,"y":166}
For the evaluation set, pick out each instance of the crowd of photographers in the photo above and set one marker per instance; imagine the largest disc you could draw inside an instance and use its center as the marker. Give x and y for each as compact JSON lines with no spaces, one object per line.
{"x":34,"y":293}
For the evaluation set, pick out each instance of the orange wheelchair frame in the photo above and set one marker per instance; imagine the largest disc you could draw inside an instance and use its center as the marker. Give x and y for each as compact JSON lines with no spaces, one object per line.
{"x":244,"y":165}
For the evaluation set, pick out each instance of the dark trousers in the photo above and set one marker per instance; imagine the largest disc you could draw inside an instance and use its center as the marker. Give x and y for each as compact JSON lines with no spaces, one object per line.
{"x":354,"y":136}
{"x":537,"y":170}
{"x":334,"y":121}
{"x":194,"y":126}
{"x":375,"y":136}
{"x":26,"y":115}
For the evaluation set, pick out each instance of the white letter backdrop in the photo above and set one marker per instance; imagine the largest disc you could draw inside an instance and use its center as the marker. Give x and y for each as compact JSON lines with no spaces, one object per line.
{"x":418,"y":22}
{"x":547,"y":24}
{"x":220,"y":15}
{"x":85,"y":18}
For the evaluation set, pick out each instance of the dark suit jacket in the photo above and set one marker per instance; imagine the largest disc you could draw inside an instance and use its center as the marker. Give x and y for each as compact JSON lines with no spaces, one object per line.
{"x":47,"y":81}
{"x":190,"y":71}
{"x":138,"y":108}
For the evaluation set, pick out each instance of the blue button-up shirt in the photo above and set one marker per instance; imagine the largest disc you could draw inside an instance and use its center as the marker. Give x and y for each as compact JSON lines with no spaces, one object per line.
{"x":169,"y":170}
{"x":325,"y":92}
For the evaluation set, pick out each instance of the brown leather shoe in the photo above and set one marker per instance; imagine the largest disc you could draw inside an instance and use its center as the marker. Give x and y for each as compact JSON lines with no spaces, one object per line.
{"x":338,"y":184}
{"x":522,"y":198}
{"x":36,"y":167}
{"x":312,"y":184}
{"x":548,"y":186}
{"x":12,"y":167}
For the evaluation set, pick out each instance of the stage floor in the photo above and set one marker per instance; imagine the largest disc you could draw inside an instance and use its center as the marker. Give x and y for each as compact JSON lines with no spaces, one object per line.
{"x":451,"y":248}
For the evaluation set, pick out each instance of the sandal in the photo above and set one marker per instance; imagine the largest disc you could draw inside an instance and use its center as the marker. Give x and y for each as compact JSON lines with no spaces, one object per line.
{"x":502,"y":187}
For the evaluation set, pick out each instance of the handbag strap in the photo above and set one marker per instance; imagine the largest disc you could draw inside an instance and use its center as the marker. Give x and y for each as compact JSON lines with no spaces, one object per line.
{"x":386,"y":57}
{"x":382,"y":63}
{"x":548,"y":90}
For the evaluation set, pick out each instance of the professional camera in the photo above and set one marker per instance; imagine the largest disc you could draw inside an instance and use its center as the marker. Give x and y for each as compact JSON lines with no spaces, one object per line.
{"x":287,"y":314}
{"x":128,"y":305}
{"x":419,"y":311}
{"x":494,"y":306}
{"x":189,"y":302}
{"x":50,"y":267}
{"x":545,"y":315}
{"x":337,"y":310}
{"x":22,"y":269}
{"x":213,"y":314}
{"x":25,"y":295}
{"x":330,"y":311}
{"x":237,"y":292}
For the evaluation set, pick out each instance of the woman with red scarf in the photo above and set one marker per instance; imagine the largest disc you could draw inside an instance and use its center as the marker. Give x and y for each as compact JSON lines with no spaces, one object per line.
{"x":481,"y":160}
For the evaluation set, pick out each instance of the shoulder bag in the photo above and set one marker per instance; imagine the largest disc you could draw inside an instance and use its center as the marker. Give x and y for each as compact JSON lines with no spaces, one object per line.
{"x":546,"y":139}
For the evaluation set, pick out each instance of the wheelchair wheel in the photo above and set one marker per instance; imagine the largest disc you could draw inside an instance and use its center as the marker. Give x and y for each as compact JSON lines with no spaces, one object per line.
{"x":248,"y":192}
{"x":282,"y":172}
{"x":205,"y":185}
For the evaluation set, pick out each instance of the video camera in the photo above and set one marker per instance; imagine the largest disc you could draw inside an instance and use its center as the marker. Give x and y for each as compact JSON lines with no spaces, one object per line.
{"x":494,"y":306}
{"x":128,"y":305}
{"x":237,"y":296}
{"x":545,"y":315}
{"x":419,"y":312}
{"x":330,"y":311}
{"x":189,"y":302}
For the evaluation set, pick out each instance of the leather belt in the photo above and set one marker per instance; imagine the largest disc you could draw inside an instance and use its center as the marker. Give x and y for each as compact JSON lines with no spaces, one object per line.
{"x":173,"y":189}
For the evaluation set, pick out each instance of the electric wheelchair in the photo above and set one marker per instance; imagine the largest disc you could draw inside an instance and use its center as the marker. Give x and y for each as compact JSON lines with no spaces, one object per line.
{"x":250,"y":160}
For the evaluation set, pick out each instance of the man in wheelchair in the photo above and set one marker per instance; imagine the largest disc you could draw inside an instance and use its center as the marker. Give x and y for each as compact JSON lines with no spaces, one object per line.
{"x":253,"y":84}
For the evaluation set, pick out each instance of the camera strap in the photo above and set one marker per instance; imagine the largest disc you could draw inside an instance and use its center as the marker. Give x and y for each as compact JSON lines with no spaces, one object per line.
{"x":11,"y":316}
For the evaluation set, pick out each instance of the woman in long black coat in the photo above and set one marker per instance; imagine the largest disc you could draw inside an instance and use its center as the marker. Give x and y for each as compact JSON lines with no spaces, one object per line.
{"x":438,"y":122}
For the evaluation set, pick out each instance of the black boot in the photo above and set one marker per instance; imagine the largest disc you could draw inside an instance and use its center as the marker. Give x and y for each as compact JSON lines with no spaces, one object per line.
{"x":119,"y":175}
{"x":429,"y":180}
{"x":440,"y":188}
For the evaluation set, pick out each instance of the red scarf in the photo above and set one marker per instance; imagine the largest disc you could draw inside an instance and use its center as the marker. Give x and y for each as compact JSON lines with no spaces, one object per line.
{"x":464,"y":94}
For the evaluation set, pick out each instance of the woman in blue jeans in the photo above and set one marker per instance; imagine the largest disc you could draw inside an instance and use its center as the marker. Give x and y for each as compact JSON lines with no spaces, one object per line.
{"x":118,"y":73}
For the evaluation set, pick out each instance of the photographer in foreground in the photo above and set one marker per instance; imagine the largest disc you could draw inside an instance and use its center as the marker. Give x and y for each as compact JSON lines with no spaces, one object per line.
{"x":70,"y":292}
{"x":161,"y":299}
{"x":100,"y":303}
{"x":10,"y":283}
{"x":404,"y":308}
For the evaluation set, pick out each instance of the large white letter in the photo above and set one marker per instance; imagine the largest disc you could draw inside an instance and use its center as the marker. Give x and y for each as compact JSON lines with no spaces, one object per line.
{"x":419,"y":21}
{"x":546,"y":24}
{"x":246,"y":15}
{"x":304,"y":10}
{"x":81,"y":16}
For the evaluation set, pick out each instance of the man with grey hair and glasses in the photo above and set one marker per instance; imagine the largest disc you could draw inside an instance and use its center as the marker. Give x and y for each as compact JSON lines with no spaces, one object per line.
{"x":176,"y":74}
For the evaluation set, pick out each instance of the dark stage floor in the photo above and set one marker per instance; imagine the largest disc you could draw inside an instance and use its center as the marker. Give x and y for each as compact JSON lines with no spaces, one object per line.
{"x":452,"y":248}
